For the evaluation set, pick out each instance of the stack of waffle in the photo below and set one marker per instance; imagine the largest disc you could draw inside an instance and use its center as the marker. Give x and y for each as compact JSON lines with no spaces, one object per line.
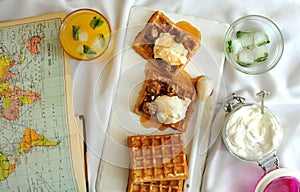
{"x":157,"y":163}
{"x":145,"y":40}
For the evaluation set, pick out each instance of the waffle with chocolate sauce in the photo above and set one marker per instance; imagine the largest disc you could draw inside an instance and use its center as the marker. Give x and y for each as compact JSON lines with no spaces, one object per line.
{"x":158,"y":84}
{"x":145,"y":41}
{"x":157,"y":163}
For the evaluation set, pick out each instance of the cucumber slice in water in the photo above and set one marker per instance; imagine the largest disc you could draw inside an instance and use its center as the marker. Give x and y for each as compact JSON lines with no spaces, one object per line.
{"x":246,"y":38}
{"x":260,"y":38}
{"x":248,"y":47}
{"x":245,"y":57}
{"x":260,"y":53}
{"x":234,"y":46}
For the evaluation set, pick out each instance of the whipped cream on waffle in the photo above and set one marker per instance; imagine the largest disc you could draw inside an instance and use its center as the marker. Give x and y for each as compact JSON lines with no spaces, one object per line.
{"x":167,"y":49}
{"x":171,"y":109}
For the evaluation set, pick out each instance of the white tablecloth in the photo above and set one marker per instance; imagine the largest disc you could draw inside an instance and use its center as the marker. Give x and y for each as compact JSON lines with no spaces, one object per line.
{"x":223,"y":172}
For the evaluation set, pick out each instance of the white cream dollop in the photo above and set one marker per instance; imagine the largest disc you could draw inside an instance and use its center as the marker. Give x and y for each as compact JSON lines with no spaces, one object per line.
{"x":171,"y":109}
{"x":251,"y":134}
{"x":167,"y":49}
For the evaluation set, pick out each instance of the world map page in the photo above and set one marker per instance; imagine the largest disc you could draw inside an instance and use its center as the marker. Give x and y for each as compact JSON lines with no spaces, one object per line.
{"x":34,"y":137}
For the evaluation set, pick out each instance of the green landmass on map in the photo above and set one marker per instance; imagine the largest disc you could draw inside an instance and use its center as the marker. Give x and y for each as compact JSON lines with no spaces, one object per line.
{"x":29,"y":140}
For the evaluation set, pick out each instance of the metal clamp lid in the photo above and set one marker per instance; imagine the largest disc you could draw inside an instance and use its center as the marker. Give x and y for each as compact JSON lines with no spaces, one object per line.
{"x":232,"y":101}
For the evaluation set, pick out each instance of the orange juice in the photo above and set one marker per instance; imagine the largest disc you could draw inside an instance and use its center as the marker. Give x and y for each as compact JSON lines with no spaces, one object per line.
{"x":85,"y":34}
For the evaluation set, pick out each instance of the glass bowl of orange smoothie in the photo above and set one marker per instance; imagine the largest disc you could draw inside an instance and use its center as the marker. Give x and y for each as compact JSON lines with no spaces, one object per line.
{"x":85,"y":34}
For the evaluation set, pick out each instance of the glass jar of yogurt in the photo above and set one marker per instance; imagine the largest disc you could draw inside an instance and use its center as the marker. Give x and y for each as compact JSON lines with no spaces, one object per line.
{"x":252,"y":132}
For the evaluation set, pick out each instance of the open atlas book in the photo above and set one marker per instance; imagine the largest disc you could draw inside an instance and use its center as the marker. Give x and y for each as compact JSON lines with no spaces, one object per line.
{"x":41,"y":145}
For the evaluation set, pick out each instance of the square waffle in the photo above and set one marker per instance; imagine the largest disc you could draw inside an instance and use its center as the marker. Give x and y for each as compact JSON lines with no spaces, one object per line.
{"x":157,"y":158}
{"x":157,"y":84}
{"x":156,"y":186}
{"x":157,"y":24}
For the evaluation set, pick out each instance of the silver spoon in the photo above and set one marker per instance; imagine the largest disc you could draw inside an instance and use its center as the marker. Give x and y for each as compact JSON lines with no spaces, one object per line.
{"x":262,"y":94}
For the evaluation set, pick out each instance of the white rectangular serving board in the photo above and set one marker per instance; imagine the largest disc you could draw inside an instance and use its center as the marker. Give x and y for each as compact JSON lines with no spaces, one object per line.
{"x":209,"y":61}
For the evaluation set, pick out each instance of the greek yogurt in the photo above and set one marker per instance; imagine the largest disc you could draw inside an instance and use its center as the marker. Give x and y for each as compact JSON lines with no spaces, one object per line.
{"x":251,"y":134}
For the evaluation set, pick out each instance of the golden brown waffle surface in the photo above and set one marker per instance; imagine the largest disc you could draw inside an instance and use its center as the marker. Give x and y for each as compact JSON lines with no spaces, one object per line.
{"x":157,"y":186}
{"x":157,"y":158}
{"x":145,"y":40}
{"x":157,"y":84}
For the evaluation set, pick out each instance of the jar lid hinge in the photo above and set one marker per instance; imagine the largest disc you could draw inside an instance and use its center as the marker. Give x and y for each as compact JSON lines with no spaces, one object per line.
{"x":269,"y":163}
